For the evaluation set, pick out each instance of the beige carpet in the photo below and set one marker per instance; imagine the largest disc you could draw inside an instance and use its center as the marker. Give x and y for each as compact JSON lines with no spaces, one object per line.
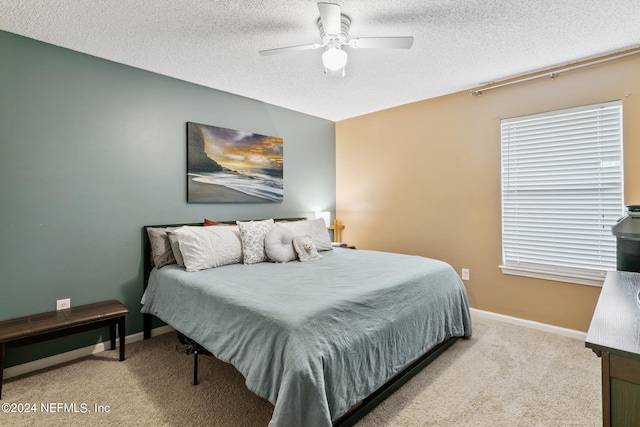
{"x":505,"y":375}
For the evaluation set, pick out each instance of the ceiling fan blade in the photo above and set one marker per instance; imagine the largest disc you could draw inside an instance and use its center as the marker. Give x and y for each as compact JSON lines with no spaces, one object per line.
{"x":289,"y":49}
{"x":382,"y":42}
{"x":330,"y":17}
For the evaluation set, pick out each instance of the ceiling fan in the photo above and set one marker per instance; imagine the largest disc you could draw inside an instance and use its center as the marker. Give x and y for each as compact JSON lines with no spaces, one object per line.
{"x":334,"y":29}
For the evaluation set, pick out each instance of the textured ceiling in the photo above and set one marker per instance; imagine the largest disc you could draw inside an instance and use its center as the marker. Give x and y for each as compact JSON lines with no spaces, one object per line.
{"x":458,"y":45}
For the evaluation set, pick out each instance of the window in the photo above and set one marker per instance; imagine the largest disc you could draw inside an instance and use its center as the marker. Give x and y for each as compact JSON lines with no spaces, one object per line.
{"x":561,"y":193}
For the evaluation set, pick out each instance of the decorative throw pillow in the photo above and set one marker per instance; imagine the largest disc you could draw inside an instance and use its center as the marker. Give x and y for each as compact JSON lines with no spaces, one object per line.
{"x":210,"y":222}
{"x":208,"y":247}
{"x":278,"y":245}
{"x":305,"y":248}
{"x":160,"y":246}
{"x":252,"y":235}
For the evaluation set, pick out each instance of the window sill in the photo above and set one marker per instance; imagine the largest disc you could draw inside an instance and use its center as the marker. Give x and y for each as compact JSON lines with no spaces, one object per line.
{"x":594,"y":279}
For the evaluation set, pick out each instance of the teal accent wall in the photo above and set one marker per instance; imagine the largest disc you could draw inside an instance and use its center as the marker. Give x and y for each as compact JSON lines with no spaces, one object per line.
{"x":92,"y":150}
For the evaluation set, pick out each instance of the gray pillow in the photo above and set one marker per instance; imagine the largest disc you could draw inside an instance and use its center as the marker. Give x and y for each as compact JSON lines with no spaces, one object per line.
{"x":175,"y":248}
{"x":278,"y":244}
{"x":320,"y":235}
{"x":160,"y":246}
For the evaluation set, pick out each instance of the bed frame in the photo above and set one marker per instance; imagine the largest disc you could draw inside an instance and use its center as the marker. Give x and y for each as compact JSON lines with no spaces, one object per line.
{"x":359,"y":410}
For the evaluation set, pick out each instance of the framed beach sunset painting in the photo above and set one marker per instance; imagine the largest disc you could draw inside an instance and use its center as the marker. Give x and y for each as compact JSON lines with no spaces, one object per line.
{"x":233,"y":166}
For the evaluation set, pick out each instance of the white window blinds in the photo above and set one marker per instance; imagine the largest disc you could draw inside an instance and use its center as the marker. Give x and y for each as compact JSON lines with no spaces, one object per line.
{"x":562,"y":192}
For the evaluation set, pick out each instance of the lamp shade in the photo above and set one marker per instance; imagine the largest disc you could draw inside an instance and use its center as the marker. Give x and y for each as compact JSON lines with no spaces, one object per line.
{"x":334,"y":59}
{"x":324,"y":215}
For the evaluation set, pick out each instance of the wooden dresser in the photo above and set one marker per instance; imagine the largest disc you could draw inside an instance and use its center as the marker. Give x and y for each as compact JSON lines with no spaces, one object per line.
{"x":614,"y":335}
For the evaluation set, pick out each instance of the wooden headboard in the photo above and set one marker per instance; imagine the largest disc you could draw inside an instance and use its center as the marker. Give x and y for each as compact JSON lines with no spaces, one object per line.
{"x":147,"y":258}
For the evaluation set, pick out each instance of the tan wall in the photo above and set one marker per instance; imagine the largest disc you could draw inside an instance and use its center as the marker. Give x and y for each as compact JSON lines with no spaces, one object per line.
{"x":424,"y":178}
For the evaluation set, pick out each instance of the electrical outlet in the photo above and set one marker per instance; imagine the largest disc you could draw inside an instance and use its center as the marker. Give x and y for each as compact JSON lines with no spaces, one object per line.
{"x":63,"y":304}
{"x":465,"y":274}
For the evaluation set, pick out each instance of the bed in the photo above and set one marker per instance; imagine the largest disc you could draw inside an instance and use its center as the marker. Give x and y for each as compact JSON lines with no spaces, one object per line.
{"x":324,"y":341}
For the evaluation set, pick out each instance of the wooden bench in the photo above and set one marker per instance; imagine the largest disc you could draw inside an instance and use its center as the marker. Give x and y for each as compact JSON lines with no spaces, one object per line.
{"x":54,"y":324}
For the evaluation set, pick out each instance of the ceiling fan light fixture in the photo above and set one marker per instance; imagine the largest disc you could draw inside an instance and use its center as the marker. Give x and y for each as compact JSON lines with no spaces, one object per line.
{"x":334,"y":59}
{"x":334,"y":31}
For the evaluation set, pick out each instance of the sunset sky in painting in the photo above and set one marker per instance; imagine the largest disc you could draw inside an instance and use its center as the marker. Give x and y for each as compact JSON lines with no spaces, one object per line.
{"x":238,"y":150}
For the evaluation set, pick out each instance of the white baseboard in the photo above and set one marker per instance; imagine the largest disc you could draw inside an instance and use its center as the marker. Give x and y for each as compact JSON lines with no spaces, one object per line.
{"x":572,"y":333}
{"x":47,"y":362}
{"x":56,"y":359}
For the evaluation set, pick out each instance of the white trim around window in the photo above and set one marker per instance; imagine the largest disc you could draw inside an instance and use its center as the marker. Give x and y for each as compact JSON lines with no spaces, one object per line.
{"x":562,"y":190}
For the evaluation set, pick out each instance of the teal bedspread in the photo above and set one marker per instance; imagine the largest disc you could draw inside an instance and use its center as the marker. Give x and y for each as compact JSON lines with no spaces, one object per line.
{"x":314,"y":338}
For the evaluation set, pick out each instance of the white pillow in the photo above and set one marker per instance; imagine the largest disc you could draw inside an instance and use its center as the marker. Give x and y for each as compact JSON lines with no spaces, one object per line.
{"x":278,"y":244}
{"x":316,"y":228}
{"x":208,"y":247}
{"x":252,"y":235}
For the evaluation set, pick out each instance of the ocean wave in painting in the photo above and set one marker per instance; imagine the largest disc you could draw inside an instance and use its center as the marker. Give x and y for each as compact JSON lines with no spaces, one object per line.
{"x":257,"y":185}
